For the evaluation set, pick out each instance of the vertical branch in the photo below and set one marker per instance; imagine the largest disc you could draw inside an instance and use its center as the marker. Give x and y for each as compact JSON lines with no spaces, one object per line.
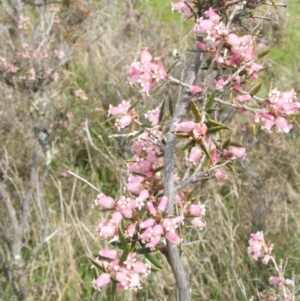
{"x":173,"y":254}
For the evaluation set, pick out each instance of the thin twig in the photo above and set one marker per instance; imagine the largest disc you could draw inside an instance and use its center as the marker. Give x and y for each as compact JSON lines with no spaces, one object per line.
{"x":83,"y":180}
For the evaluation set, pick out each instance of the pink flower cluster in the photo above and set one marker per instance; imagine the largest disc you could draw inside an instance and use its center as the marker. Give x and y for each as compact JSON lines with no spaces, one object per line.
{"x":140,"y":213}
{"x":183,"y":8}
{"x":277,"y":281}
{"x":258,"y":248}
{"x":145,"y":72}
{"x":197,"y":132}
{"x":279,"y":106}
{"x":124,"y":115}
{"x":236,"y":50}
{"x":30,"y":66}
{"x":128,"y":274}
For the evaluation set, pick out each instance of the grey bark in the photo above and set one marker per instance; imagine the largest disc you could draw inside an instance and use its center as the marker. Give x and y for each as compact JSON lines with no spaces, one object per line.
{"x":173,"y":253}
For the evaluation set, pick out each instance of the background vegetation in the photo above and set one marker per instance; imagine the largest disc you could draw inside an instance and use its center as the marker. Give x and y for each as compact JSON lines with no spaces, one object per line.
{"x":102,"y":38}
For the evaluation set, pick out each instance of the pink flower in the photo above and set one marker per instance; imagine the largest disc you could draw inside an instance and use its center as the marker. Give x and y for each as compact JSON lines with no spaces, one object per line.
{"x":163,"y":204}
{"x":106,"y":229}
{"x":195,"y":154}
{"x":122,"y":108}
{"x":146,"y":72}
{"x":183,"y":9}
{"x":111,"y":254}
{"x":147,"y":223}
{"x":134,"y":184}
{"x":131,"y":230}
{"x":173,"y":237}
{"x":151,"y":209}
{"x":235,"y":152}
{"x":196,"y":210}
{"x":220,"y":174}
{"x":101,"y":281}
{"x":105,"y":201}
{"x":203,"y":25}
{"x":202,"y":46}
{"x":185,"y":126}
{"x":199,"y":130}
{"x":258,"y":248}
{"x":244,"y":97}
{"x":153,"y":116}
{"x":195,"y":89}
{"x":198,"y":223}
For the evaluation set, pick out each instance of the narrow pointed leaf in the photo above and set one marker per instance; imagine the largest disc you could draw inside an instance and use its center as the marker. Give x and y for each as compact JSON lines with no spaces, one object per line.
{"x":152,"y":258}
{"x":97,"y":265}
{"x":144,"y":251}
{"x":264,"y":53}
{"x":206,"y":151}
{"x":143,"y":112}
{"x":255,"y":89}
{"x":147,"y":125}
{"x":188,"y":145}
{"x":161,"y":113}
{"x":214,"y":123}
{"x":158,"y":169}
{"x":182,"y":134}
{"x":122,"y":239}
{"x":196,"y":111}
{"x":231,"y":168}
{"x":170,"y":105}
{"x":236,"y":144}
{"x":226,"y":144}
{"x":169,"y":70}
{"x":125,"y":254}
{"x":211,"y":100}
{"x":113,"y":292}
{"x":213,"y":130}
{"x":133,"y":105}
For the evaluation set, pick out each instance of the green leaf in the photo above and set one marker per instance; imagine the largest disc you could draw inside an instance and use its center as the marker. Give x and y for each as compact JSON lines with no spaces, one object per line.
{"x":158,"y":169}
{"x":182,"y":135}
{"x":236,"y":144}
{"x":143,"y":112}
{"x":97,"y":265}
{"x":215,"y":126}
{"x":170,"y":100}
{"x":231,"y":168}
{"x":172,"y":67}
{"x":226,"y":144}
{"x":174,"y":83}
{"x":137,"y":134}
{"x":125,"y":254}
{"x":122,"y":238}
{"x":113,"y":294}
{"x":205,"y":150}
{"x":133,"y":105}
{"x":213,"y":130}
{"x":255,"y":89}
{"x":161,"y":113}
{"x":264,"y":53}
{"x":196,"y":111}
{"x":152,"y":258}
{"x":189,"y":145}
{"x":211,"y":100}
{"x":214,"y":123}
{"x":143,"y":251}
{"x":191,"y":197}
{"x":274,"y":4}
{"x":147,"y":125}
